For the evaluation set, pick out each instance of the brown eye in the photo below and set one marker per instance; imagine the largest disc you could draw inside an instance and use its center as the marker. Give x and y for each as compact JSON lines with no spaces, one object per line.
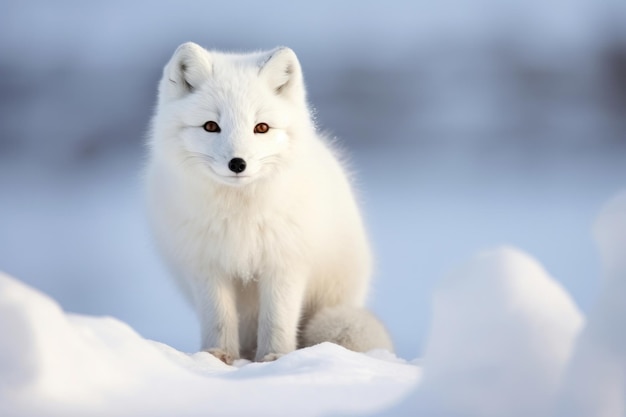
{"x":212,"y":127}
{"x":261,"y":128}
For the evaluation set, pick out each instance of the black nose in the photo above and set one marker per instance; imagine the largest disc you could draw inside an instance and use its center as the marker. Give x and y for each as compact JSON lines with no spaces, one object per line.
{"x":237,"y":165}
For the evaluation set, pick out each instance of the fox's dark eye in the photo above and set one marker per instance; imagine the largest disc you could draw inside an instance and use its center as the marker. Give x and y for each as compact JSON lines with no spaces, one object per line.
{"x":212,"y":127}
{"x":261,"y":128}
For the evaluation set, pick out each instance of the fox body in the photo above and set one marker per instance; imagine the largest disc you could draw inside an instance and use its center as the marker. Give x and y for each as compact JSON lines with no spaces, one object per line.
{"x":252,"y":211}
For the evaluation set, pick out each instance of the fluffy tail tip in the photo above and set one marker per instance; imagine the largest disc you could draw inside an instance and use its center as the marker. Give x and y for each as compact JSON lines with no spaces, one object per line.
{"x":351,"y":327}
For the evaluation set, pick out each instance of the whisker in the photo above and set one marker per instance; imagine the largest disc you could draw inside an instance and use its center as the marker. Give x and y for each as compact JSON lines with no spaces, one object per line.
{"x":197,"y":158}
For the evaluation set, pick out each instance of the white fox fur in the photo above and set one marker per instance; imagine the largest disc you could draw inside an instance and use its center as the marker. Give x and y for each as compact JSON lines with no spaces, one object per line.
{"x":258,"y":252}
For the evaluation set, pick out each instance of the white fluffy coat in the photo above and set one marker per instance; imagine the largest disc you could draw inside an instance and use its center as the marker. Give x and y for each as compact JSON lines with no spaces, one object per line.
{"x":260,"y":252}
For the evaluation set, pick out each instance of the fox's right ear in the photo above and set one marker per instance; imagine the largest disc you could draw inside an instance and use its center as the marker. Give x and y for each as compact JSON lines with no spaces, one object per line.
{"x":282,"y":71}
{"x":188,"y":68}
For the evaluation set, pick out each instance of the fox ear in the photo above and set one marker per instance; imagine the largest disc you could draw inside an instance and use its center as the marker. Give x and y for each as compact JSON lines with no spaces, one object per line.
{"x":282,"y":71}
{"x":188,"y":68}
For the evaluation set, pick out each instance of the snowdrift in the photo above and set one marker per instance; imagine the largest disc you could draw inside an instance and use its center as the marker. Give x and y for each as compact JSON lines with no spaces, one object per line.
{"x":53,"y":363}
{"x":506,"y":340}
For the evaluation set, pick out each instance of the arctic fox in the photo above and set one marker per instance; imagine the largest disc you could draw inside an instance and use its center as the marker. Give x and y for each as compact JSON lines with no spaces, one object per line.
{"x":252,"y":210}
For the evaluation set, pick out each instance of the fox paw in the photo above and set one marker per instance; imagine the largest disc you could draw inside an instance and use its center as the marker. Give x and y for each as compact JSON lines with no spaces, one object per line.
{"x":271,"y":357}
{"x":222,"y":355}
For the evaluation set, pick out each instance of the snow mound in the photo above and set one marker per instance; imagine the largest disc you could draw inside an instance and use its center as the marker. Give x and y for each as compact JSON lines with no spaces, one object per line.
{"x":596,"y":379}
{"x":610,"y":234}
{"x":56,"y":362}
{"x":501,"y":335}
{"x":53,"y":363}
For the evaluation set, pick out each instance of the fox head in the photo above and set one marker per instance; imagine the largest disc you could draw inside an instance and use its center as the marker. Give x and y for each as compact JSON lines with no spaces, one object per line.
{"x":231,"y":116}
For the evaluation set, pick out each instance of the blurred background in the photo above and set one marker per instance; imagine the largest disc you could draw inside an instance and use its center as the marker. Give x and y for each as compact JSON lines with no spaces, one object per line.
{"x":469,"y":124}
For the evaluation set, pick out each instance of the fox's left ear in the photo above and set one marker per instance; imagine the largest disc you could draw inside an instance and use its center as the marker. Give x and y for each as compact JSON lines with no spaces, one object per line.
{"x":282,"y":71}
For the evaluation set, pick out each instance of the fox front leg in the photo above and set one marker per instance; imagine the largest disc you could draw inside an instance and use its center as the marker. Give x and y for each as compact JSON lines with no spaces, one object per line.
{"x":217,"y":311}
{"x":280,"y":300}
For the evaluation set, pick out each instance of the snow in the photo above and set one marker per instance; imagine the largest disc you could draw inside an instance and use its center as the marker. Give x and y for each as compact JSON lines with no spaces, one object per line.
{"x":64,"y":364}
{"x":500,"y":344}
{"x":502,"y":332}
{"x":596,"y":380}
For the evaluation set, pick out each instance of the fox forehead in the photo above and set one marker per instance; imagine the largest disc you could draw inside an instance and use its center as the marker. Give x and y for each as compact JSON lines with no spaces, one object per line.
{"x":233,"y":72}
{"x":237,"y":102}
{"x":236,"y":93}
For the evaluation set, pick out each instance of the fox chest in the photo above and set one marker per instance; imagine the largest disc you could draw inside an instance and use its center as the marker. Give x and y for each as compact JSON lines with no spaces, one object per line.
{"x":241,"y":245}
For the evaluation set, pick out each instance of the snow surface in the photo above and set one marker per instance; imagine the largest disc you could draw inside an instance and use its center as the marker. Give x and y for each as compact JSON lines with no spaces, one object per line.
{"x":53,"y":363}
{"x":501,"y":340}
